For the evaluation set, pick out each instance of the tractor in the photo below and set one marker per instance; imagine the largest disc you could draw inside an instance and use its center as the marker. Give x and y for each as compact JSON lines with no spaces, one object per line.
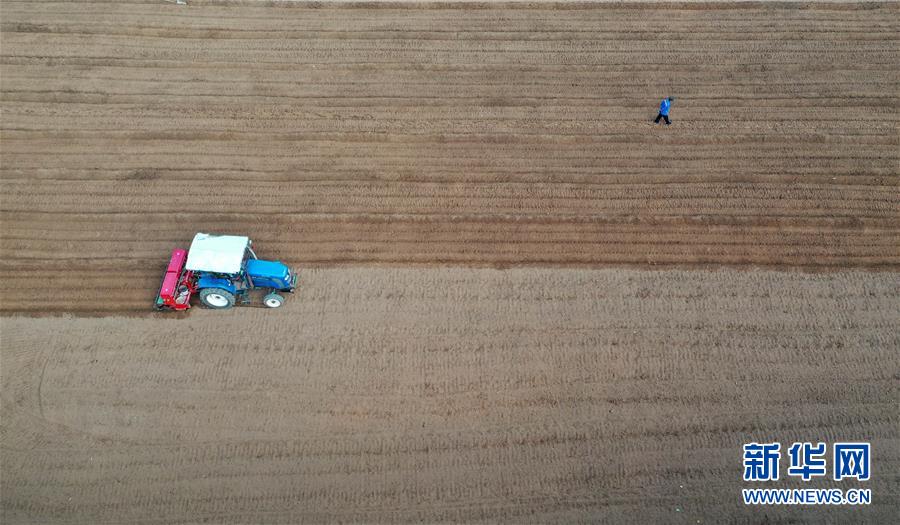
{"x":223,"y":271}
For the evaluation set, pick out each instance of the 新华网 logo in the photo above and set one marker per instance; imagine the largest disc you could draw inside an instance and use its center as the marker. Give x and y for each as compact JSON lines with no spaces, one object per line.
{"x":807,"y":461}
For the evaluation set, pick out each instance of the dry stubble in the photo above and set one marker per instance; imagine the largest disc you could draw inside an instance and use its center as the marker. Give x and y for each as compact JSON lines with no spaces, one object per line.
{"x":454,"y":394}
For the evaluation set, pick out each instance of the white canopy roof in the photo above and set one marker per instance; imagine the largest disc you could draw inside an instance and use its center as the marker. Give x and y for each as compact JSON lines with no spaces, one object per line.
{"x":217,"y":253}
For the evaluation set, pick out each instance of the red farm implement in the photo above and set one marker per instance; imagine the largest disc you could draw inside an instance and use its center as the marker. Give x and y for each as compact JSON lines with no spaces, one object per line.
{"x":178,"y":284}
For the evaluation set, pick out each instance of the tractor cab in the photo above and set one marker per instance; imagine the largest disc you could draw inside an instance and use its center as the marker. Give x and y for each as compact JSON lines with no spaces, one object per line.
{"x":224,"y":270}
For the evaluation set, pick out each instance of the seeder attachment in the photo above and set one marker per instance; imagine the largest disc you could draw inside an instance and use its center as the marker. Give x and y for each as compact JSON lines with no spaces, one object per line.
{"x":177,"y":286}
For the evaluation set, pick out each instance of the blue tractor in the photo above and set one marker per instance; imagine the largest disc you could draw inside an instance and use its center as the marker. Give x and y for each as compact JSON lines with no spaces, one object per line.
{"x":223,"y":270}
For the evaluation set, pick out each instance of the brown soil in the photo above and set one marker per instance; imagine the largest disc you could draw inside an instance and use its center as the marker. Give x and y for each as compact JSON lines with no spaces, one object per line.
{"x":426,"y":395}
{"x":420,"y":134}
{"x":369,"y":136}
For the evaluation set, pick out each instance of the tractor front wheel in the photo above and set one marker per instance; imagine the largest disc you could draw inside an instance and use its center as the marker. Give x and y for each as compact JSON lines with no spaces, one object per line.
{"x":216,"y":298}
{"x":273,"y":300}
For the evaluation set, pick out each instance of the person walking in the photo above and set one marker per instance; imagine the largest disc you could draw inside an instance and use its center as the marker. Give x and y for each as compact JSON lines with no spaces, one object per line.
{"x":664,"y":110}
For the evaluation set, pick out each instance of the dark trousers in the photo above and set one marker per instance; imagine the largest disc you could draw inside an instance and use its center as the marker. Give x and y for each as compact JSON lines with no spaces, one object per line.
{"x":663,"y":117}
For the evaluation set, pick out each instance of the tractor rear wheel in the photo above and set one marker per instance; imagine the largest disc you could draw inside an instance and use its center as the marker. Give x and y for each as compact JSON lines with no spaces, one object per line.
{"x":216,"y":298}
{"x":273,"y":300}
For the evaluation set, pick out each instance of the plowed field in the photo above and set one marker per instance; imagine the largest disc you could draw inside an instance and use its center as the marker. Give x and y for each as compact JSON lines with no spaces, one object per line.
{"x":368,"y":145}
{"x":422,"y":133}
{"x":425,"y":395}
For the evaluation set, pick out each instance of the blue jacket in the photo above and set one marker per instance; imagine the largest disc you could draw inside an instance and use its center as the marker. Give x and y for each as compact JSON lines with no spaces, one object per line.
{"x":664,"y":107}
